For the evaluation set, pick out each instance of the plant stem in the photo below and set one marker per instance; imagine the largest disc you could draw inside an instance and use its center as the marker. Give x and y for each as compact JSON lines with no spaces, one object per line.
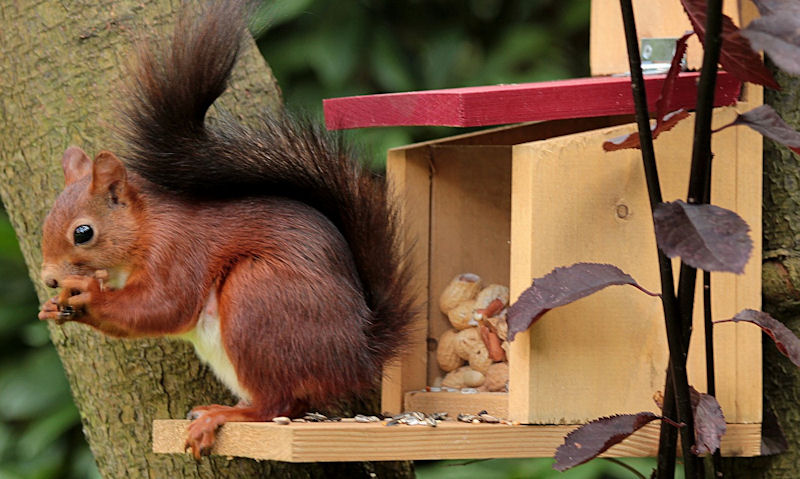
{"x":709,"y":332}
{"x":708,"y":322}
{"x":668,"y":436}
{"x":708,"y":329}
{"x":669,"y":301}
{"x":699,"y":191}
{"x":626,"y":466}
{"x":700,"y":172}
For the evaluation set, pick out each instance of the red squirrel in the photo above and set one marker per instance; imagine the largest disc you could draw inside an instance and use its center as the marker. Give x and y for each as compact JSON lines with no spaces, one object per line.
{"x":269,"y":248}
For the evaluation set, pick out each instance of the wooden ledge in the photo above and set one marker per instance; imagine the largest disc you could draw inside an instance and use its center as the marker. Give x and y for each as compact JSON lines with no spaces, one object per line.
{"x":351,"y":441}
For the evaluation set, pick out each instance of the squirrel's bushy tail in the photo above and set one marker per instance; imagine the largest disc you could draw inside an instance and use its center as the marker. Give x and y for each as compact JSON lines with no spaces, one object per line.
{"x":173,"y":147}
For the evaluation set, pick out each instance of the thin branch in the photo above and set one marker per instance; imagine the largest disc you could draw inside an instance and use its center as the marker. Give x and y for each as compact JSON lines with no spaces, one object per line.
{"x":626,"y":466}
{"x":672,"y":312}
{"x":699,"y":192}
{"x":708,"y":327}
{"x":711,"y":381}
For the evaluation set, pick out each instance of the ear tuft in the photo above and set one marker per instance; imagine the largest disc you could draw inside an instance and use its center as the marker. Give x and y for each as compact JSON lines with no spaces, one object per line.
{"x":108,"y":175}
{"x":76,"y":164}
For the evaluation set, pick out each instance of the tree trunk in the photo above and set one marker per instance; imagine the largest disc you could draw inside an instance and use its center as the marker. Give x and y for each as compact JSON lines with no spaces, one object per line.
{"x":61,"y":65}
{"x":781,"y":287}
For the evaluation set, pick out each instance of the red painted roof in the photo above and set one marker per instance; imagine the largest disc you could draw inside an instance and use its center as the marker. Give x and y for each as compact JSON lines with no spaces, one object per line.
{"x":503,"y":104}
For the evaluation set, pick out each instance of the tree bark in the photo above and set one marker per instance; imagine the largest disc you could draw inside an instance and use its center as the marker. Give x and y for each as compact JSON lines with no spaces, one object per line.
{"x":780,"y":287}
{"x":61,"y":67}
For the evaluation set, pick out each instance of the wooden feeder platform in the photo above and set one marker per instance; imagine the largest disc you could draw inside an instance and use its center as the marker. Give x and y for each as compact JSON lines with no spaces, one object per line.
{"x":351,"y":441}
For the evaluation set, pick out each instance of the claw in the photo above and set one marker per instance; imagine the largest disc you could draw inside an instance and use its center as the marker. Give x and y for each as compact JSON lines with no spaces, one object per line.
{"x":65,"y":314}
{"x":206,"y":420}
{"x":202,"y":436}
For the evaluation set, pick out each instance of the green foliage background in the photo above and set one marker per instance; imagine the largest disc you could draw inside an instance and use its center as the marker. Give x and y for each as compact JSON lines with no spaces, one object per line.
{"x":317,"y":49}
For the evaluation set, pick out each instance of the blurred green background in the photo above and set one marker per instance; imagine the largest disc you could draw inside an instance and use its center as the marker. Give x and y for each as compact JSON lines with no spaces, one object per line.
{"x":317,"y":49}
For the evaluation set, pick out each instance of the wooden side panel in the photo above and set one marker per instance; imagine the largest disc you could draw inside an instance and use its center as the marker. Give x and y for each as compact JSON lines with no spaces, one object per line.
{"x":654,"y":19}
{"x":523,"y":174}
{"x":470,"y":223}
{"x":603,"y":354}
{"x":749,"y":192}
{"x":736,"y":185}
{"x":409,"y":176}
{"x":607,"y":353}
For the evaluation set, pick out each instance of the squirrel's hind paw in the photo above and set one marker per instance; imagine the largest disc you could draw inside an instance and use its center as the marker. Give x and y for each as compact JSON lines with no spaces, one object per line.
{"x":202,"y":431}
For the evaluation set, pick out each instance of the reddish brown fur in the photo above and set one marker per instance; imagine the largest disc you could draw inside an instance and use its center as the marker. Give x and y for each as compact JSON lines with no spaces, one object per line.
{"x":292,"y":318}
{"x":297,"y":243}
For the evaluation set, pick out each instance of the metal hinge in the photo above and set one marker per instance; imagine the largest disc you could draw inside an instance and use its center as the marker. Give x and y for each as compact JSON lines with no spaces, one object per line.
{"x":657,"y":55}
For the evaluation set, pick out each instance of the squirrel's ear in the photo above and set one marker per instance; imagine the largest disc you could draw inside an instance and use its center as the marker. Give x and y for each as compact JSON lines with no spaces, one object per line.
{"x":76,"y":164}
{"x":108,"y":176}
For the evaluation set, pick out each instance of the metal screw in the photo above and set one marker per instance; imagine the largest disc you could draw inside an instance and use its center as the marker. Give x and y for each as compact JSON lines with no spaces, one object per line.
{"x":647,"y":51}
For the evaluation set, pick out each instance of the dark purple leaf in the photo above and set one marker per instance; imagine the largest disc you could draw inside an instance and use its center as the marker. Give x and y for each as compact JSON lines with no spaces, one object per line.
{"x":785,"y":340}
{"x":594,"y":438}
{"x":766,"y":121}
{"x":666,"y":123}
{"x":704,"y":236}
{"x":631,"y":140}
{"x":562,"y":286}
{"x":736,"y":55}
{"x":709,"y":423}
{"x":778,"y":35}
{"x":765,"y":7}
{"x":664,"y":102}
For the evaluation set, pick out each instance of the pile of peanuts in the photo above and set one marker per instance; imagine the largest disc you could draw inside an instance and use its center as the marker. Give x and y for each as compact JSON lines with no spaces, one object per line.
{"x":473,"y":353}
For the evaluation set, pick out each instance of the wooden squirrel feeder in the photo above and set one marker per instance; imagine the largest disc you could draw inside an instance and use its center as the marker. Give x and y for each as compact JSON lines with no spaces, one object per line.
{"x":510,"y":204}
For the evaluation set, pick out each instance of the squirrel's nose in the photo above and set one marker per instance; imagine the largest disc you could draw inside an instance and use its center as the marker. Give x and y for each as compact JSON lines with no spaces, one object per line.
{"x":49,"y":276}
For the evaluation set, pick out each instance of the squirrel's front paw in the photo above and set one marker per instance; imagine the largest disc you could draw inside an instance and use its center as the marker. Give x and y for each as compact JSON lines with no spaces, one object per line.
{"x":60,"y":314}
{"x":50,"y":309}
{"x":77,"y":294}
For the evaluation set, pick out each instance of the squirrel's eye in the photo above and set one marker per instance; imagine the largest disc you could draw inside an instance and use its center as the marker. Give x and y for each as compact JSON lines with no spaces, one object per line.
{"x":83,"y":234}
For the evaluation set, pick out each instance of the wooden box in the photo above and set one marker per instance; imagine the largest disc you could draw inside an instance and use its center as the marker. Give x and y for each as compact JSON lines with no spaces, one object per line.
{"x":513,"y":203}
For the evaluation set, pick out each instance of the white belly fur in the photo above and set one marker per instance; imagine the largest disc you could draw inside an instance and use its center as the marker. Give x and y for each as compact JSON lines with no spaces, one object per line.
{"x":207,"y":342}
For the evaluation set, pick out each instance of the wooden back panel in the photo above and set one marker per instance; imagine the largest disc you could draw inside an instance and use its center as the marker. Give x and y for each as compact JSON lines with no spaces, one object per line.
{"x":654,"y":19}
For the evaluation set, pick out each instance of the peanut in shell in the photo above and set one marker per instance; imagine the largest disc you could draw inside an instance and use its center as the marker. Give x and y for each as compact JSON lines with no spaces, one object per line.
{"x":489,"y":293}
{"x":462,"y":316}
{"x":496,"y":377}
{"x":446,"y":352}
{"x":461,"y":288}
{"x":470,"y":346}
{"x":463,"y":377}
